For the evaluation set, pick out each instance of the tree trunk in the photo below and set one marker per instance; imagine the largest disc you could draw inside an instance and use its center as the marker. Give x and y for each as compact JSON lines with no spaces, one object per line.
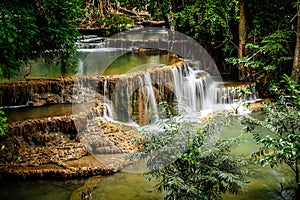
{"x":297,"y":179}
{"x":242,"y":38}
{"x":296,"y":65}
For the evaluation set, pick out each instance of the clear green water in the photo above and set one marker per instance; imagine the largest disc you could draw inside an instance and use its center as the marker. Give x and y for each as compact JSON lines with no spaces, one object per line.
{"x":126,"y":186}
{"x":14,"y":114}
{"x":97,"y":62}
{"x":38,"y":190}
{"x":25,"y":113}
{"x":264,"y":182}
{"x":135,"y":62}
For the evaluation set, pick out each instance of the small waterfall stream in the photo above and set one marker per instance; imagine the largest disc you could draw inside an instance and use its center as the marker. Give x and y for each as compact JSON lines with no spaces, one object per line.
{"x":226,"y":93}
{"x":151,"y":96}
{"x":193,"y":89}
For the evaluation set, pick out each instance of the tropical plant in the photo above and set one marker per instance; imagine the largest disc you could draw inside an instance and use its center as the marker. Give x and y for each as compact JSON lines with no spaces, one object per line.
{"x":282,"y":143}
{"x":266,"y":41}
{"x":3,"y":123}
{"x":30,"y":29}
{"x":17,"y":31}
{"x":190,"y":162}
{"x":208,"y":21}
{"x":267,"y":59}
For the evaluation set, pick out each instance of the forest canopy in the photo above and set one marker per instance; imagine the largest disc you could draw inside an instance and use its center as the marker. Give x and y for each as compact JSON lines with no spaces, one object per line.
{"x":30,"y":29}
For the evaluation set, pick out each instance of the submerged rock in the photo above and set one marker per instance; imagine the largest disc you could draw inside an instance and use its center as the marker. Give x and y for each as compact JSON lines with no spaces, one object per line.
{"x":86,"y":191}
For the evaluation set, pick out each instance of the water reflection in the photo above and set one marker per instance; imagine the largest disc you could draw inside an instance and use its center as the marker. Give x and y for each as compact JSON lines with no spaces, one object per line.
{"x":25,"y":113}
{"x":126,"y":186}
{"x":102,"y":61}
{"x":38,"y":190}
{"x":264,"y":181}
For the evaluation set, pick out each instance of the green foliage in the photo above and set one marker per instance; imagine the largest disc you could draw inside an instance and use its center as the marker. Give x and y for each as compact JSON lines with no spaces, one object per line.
{"x":31,"y":29}
{"x":242,"y":93}
{"x":190,"y":162}
{"x":282,"y":144}
{"x":270,"y":27}
{"x":3,"y":124}
{"x":270,"y":41}
{"x":265,"y":19}
{"x":288,"y":89}
{"x":267,"y":59}
{"x":133,"y":4}
{"x":160,"y":9}
{"x":208,"y":21}
{"x":115,"y":22}
{"x":17,"y":31}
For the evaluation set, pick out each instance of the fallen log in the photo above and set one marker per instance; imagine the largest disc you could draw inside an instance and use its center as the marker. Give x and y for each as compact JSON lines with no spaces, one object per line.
{"x":151,"y":23}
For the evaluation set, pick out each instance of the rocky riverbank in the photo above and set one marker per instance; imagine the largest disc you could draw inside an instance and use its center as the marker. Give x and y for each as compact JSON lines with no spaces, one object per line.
{"x":56,"y":148}
{"x":52,"y":148}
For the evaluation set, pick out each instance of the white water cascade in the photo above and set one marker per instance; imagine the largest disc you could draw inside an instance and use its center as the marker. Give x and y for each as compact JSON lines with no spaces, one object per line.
{"x":107,"y":108}
{"x":150,"y":92}
{"x":227,"y":94}
{"x":134,"y":97}
{"x":193,"y":89}
{"x":80,"y":67}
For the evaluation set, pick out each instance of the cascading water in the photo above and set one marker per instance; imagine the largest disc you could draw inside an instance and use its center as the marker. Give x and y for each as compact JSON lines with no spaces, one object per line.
{"x":107,"y":108}
{"x":151,"y":96}
{"x":193,"y":89}
{"x":134,"y":97}
{"x":80,"y":67}
{"x":227,"y":93}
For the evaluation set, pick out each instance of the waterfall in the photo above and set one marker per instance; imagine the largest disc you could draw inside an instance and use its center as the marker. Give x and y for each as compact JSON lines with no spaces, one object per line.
{"x":150,"y":93}
{"x":135,"y":97}
{"x":80,"y":67}
{"x":226,"y":93}
{"x":193,"y":89}
{"x":107,"y":108}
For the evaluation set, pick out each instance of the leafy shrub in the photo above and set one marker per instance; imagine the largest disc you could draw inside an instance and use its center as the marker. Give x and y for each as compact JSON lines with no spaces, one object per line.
{"x":190,"y":162}
{"x":282,"y":143}
{"x":30,"y":29}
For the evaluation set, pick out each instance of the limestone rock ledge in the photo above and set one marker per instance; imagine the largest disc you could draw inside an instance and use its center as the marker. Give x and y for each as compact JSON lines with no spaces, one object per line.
{"x":83,"y":167}
{"x":52,"y":148}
